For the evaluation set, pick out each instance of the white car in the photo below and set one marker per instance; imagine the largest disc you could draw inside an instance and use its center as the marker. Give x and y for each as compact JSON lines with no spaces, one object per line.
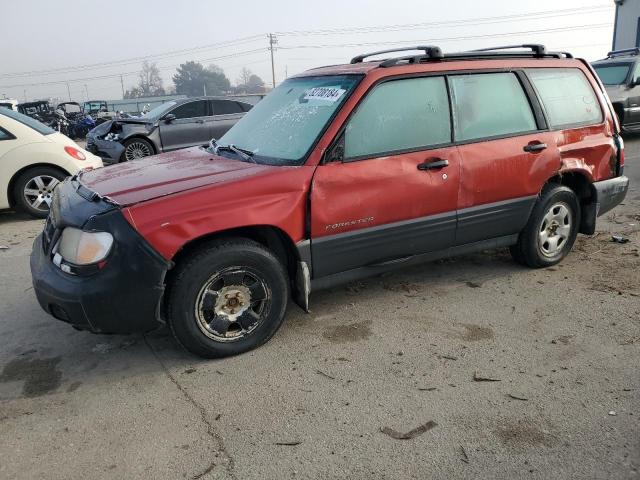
{"x":33,"y":160}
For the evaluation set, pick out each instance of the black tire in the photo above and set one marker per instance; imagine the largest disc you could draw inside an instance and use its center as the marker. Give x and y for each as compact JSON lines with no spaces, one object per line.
{"x":145,"y":149}
{"x":26,"y":182}
{"x":542,"y":242}
{"x":191,"y":307}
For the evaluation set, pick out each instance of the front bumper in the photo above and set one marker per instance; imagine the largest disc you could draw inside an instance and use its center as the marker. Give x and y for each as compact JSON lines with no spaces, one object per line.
{"x":108,"y":151}
{"x":122,"y":297}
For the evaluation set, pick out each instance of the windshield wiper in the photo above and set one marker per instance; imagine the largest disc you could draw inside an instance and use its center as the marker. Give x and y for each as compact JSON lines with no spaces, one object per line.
{"x":246,"y":155}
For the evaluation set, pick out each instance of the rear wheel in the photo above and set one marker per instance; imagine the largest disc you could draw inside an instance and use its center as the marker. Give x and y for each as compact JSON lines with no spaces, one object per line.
{"x":135,"y":148}
{"x":551,"y":230}
{"x":227,"y":298}
{"x":33,"y":190}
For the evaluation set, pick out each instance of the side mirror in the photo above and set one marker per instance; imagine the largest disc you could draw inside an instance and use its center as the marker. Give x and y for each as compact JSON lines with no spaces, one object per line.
{"x":169,"y":117}
{"x":634,"y":83}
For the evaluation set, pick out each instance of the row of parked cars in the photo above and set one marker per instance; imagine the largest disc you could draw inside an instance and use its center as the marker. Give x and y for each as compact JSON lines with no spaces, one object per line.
{"x":36,"y":157}
{"x":340,"y":173}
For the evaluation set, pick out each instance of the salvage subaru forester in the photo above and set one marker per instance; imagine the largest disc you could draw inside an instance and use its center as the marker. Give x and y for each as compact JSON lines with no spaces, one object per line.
{"x":341,"y":172}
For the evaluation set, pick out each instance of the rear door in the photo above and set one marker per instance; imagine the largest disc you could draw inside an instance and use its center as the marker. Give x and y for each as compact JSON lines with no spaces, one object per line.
{"x":506,"y":153}
{"x":189,"y":128}
{"x":225,"y":115}
{"x":393,"y":191}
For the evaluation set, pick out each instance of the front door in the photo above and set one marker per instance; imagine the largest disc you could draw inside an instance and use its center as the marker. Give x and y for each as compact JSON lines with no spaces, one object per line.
{"x":188,"y":128}
{"x":394,"y":193}
{"x":226,"y":114}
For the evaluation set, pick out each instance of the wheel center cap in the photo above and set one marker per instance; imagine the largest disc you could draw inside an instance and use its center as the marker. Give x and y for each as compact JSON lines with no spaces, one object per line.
{"x":233,"y":301}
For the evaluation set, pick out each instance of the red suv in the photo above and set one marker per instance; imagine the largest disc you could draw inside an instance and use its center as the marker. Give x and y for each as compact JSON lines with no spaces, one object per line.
{"x":340,"y":173}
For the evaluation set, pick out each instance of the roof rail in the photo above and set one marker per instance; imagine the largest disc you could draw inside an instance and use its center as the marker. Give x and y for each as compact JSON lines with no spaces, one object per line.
{"x":624,"y":52}
{"x":538,"y":49}
{"x":430,"y":51}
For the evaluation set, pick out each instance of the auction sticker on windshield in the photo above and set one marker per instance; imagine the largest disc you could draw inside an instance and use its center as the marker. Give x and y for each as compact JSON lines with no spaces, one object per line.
{"x":327,"y":94}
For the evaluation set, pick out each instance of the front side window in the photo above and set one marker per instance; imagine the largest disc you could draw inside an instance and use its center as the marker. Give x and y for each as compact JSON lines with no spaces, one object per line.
{"x":282,"y":128}
{"x":191,"y":110}
{"x":613,"y":74}
{"x":567,"y":96}
{"x":399,"y":115}
{"x":489,"y":105}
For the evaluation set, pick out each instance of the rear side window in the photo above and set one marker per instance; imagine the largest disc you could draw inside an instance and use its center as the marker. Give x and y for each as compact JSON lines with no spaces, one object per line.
{"x":28,"y":121}
{"x":226,"y":107}
{"x":191,"y":109}
{"x":400,"y":115}
{"x":567,"y":96}
{"x":489,"y":105}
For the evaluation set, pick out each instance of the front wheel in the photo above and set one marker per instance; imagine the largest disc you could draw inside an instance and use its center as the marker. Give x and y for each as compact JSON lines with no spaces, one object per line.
{"x":227,"y":298}
{"x":551,"y":230}
{"x":136,"y":148}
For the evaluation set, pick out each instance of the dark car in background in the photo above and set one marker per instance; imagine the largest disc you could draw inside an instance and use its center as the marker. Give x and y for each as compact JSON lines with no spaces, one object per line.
{"x":173,"y":125}
{"x":620,"y":73}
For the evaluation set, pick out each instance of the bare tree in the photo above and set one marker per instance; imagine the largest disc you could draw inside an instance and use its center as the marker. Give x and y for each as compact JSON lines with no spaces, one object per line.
{"x":149,"y":82}
{"x":245,"y":76}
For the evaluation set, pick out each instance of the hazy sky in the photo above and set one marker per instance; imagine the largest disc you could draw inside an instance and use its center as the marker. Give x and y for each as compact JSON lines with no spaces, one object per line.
{"x":71,"y":36}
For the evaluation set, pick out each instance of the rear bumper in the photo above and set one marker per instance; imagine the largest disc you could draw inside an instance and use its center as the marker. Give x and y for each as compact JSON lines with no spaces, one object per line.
{"x":610,"y":193}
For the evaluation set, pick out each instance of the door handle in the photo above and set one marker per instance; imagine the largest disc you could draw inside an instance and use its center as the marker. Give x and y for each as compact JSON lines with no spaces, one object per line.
{"x":534,"y":147}
{"x":433,"y":164}
{"x":200,"y":121}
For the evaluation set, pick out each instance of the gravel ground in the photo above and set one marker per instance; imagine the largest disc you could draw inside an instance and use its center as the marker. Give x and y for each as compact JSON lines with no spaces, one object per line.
{"x":392,"y":353}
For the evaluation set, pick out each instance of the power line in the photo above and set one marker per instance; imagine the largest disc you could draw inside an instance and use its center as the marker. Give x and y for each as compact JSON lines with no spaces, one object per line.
{"x":470,"y":37}
{"x":131,"y":60}
{"x":115,"y":75}
{"x":449,"y":23}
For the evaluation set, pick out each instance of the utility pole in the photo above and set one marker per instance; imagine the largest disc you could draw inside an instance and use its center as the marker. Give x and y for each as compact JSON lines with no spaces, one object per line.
{"x":86,"y":91}
{"x":272,"y":42}
{"x":122,"y":85}
{"x":25,"y":95}
{"x":69,"y":91}
{"x":204,"y":89}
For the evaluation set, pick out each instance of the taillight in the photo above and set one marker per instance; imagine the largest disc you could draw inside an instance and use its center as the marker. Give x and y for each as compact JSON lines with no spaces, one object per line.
{"x":75,"y":153}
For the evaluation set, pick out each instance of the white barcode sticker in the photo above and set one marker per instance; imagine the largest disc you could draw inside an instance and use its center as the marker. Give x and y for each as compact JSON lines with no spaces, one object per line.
{"x":327,"y":94}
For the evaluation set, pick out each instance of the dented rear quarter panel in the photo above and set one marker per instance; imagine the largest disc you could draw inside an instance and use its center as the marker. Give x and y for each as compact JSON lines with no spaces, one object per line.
{"x":276,"y":197}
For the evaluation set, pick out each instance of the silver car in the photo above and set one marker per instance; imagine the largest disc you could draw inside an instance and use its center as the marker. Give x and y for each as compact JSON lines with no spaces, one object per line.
{"x":173,"y":125}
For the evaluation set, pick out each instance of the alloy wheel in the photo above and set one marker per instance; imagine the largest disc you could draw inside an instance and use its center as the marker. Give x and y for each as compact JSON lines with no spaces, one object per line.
{"x":232,"y":304}
{"x":137,"y":150}
{"x":555,"y":229}
{"x":38,"y":192}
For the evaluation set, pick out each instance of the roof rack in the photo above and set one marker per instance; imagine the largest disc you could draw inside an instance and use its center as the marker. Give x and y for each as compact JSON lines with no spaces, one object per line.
{"x":430,"y":51}
{"x":624,"y":52}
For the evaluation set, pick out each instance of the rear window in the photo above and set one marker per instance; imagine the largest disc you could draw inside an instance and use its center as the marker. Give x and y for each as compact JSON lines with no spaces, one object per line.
{"x":613,"y":74}
{"x":28,"y":121}
{"x":567,"y":96}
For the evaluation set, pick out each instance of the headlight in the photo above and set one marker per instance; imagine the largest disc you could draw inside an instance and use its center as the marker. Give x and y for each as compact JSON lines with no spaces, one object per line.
{"x":112,"y":137}
{"x":83,"y":248}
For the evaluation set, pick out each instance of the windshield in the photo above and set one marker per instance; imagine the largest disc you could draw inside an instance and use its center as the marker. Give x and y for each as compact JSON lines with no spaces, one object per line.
{"x":28,"y":121}
{"x":157,"y":112}
{"x":283,"y":127}
{"x":613,"y":74}
{"x":71,"y":107}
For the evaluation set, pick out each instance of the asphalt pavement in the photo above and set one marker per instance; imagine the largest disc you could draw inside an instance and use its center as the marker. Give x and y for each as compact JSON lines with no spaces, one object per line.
{"x":471,"y":367}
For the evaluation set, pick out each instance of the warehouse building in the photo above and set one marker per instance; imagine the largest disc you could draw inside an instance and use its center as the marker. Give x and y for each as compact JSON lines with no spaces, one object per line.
{"x":626,"y":31}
